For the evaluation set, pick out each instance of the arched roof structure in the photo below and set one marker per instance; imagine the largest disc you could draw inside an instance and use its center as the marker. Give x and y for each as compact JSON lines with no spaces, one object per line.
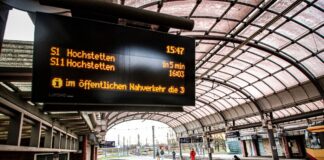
{"x":252,"y":57}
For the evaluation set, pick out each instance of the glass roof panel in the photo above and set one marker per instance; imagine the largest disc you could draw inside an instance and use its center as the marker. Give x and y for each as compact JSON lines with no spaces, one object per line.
{"x":253,"y":91}
{"x":277,"y":23}
{"x":297,"y":51}
{"x":265,"y":89}
{"x":218,"y":105}
{"x":239,"y":64}
{"x":253,"y":2}
{"x":259,"y":52}
{"x":264,"y":18}
{"x":258,"y":72}
{"x":275,"y":40}
{"x":208,"y":65}
{"x":274,"y":83}
{"x":207,"y":98}
{"x":192,"y":33}
{"x":136,"y":3}
{"x":238,"y":11}
{"x":249,"y":31}
{"x":310,"y":17}
{"x":224,"y":103}
{"x":224,"y":26}
{"x":280,"y":6}
{"x":298,"y":74}
{"x":230,"y":70}
{"x":247,"y":77}
{"x":232,"y":101}
{"x":296,"y":9}
{"x":269,"y":66}
{"x":153,"y":8}
{"x":208,"y":8}
{"x":199,"y":56}
{"x":216,"y":58}
{"x":203,"y":23}
{"x":224,"y":89}
{"x":315,"y":66}
{"x":321,"y":56}
{"x":320,"y":4}
{"x":225,"y":50}
{"x":204,"y":47}
{"x":286,"y":78}
{"x":217,"y":92}
{"x":238,"y":82}
{"x":279,"y":61}
{"x":313,"y":42}
{"x":205,"y":88}
{"x":178,"y":8}
{"x":201,"y":71}
{"x":249,"y":57}
{"x":292,"y":30}
{"x":210,"y":110}
{"x":253,"y":119}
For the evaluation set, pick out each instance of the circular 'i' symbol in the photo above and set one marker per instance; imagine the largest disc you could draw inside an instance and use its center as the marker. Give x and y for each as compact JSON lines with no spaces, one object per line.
{"x":57,"y":82}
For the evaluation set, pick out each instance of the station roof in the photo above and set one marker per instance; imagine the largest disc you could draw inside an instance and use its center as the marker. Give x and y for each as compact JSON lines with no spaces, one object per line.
{"x":253,"y":58}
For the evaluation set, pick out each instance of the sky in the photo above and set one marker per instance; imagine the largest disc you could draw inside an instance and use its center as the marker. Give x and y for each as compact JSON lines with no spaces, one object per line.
{"x":131,"y":129}
{"x":20,"y":27}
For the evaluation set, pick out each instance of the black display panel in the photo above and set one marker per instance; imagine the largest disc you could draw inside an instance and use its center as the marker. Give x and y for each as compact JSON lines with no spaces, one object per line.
{"x":185,"y":140}
{"x":84,"y":61}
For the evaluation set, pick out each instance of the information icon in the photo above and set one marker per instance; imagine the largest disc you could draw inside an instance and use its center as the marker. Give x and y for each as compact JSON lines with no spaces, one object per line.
{"x":57,"y":82}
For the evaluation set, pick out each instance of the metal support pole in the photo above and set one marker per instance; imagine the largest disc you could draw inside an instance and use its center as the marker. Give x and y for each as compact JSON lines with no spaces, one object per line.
{"x":210,"y":155}
{"x":92,"y":154}
{"x":180,"y":147}
{"x":123,"y":145}
{"x":153,"y":142}
{"x":4,"y":10}
{"x":48,"y":138}
{"x":35,"y":135}
{"x":14,"y":131}
{"x":272,"y":141}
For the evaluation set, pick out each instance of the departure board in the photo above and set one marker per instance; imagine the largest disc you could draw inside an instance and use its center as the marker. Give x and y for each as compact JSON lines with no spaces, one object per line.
{"x":84,"y":61}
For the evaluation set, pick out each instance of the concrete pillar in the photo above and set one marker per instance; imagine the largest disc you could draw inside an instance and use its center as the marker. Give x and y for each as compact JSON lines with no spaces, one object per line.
{"x":4,"y":11}
{"x":15,"y":127}
{"x":36,"y":132}
{"x":243,"y":148}
{"x":286,"y":147}
{"x":84,"y":147}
